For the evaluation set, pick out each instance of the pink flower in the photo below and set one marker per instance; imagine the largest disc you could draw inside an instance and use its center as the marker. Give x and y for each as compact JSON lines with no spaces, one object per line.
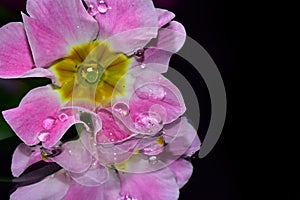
{"x":84,"y":177}
{"x":105,"y":63}
{"x":62,"y":41}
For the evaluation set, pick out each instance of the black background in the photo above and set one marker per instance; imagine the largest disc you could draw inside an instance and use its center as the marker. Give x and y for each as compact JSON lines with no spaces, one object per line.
{"x":215,"y":24}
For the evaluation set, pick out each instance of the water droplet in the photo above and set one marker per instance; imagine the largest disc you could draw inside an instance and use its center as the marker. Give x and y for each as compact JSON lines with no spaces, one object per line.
{"x":153,"y":149}
{"x":90,"y":73}
{"x":139,"y":53}
{"x":151,"y":91}
{"x":152,"y":160}
{"x":63,"y":117}
{"x":143,"y":66}
{"x":122,"y":109}
{"x":48,"y":123}
{"x":92,"y":10}
{"x":102,"y":7}
{"x":43,"y":136}
{"x":95,"y":162}
{"x":148,"y":122}
{"x":77,"y":26}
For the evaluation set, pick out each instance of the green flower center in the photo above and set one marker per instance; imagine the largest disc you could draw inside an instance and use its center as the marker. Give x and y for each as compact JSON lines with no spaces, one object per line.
{"x":91,"y":68}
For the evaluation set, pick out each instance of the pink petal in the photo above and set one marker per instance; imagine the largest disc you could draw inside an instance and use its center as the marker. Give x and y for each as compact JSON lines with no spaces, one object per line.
{"x":195,"y":146}
{"x":164,"y":16}
{"x":108,"y":190}
{"x":151,"y":186}
{"x":125,"y":15}
{"x":40,"y":72}
{"x":112,"y":130}
{"x":169,"y":41}
{"x":23,"y":157}
{"x":52,"y":187}
{"x":155,"y":93}
{"x":127,"y":25}
{"x":180,"y":137}
{"x":96,"y":175}
{"x":106,"y":153}
{"x":183,"y":170}
{"x":15,"y":55}
{"x":37,"y":119}
{"x":153,"y":101}
{"x":74,"y":157}
{"x":55,"y":27}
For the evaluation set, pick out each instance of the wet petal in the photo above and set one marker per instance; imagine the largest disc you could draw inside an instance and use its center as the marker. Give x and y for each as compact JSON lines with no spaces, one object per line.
{"x":112,"y":129}
{"x":153,"y":101}
{"x":183,"y":170}
{"x":155,"y":93}
{"x":55,"y":26}
{"x":124,"y":15}
{"x":26,"y":120}
{"x":108,"y":190}
{"x":15,"y":54}
{"x":74,"y":157}
{"x":159,"y":51}
{"x":23,"y":157}
{"x":155,"y":185}
{"x":52,"y":187}
{"x":96,"y":175}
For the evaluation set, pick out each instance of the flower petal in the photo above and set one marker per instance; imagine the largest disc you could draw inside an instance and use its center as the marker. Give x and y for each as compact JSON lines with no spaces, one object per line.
{"x":112,"y":130}
{"x":125,"y":15}
{"x":38,"y":117}
{"x":127,"y":25}
{"x":108,"y":190}
{"x":74,"y":157}
{"x":55,"y":26}
{"x":164,"y":16}
{"x":159,"y":51}
{"x":155,"y":93}
{"x":52,"y":187}
{"x":94,"y":176}
{"x":153,"y":101}
{"x":158,"y":185}
{"x":183,"y":170}
{"x":182,"y":139}
{"x":23,"y":157}
{"x":27,"y":119}
{"x":15,"y":55}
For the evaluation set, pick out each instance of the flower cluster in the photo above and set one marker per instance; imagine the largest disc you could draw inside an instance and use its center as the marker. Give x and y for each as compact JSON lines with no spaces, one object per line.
{"x":105,"y":59}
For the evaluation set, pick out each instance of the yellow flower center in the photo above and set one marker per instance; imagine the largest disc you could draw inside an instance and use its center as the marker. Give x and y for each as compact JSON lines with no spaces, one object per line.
{"x":90,"y":73}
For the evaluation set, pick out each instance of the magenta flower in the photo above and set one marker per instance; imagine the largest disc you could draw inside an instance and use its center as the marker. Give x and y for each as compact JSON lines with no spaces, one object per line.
{"x":83,"y":176}
{"x":105,"y":63}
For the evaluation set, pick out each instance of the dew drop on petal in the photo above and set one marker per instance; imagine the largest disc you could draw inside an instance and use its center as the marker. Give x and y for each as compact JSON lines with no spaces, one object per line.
{"x":152,"y":160}
{"x":153,"y":149}
{"x":43,"y":136}
{"x":122,"y":109}
{"x":48,"y":123}
{"x":143,"y":66}
{"x":148,"y":122}
{"x":92,"y":10}
{"x":102,"y":7}
{"x":139,"y":53}
{"x":63,"y":117}
{"x":153,"y":91}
